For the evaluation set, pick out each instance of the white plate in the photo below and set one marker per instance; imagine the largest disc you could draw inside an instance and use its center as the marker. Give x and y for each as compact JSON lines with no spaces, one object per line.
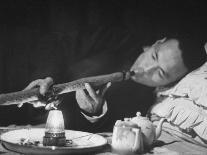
{"x":84,"y":142}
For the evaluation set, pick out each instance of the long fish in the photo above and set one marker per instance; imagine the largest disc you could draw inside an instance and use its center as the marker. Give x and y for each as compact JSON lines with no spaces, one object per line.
{"x":21,"y":97}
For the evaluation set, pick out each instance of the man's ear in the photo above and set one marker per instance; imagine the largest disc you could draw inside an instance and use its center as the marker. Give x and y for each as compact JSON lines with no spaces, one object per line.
{"x":161,"y":40}
{"x":205,"y":46}
{"x":145,"y":48}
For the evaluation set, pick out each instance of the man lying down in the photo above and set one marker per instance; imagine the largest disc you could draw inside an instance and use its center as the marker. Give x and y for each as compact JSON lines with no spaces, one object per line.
{"x":181,"y":97}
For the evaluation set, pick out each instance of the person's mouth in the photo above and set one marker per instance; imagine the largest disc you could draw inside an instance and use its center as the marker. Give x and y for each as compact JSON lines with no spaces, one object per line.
{"x":138,"y":70}
{"x":135,"y":73}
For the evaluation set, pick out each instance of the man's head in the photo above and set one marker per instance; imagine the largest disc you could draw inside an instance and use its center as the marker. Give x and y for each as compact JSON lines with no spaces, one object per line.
{"x":168,"y":60}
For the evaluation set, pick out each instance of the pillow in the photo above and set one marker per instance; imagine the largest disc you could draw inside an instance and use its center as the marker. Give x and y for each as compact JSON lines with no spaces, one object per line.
{"x":193,"y":86}
{"x":185,"y":104}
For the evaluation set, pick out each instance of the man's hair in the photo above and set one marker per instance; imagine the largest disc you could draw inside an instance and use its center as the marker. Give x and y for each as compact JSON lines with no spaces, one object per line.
{"x":192,"y":47}
{"x":193,"y":51}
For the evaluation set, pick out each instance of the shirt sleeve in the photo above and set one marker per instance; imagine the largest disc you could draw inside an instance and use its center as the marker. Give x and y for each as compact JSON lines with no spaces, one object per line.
{"x":94,"y":119}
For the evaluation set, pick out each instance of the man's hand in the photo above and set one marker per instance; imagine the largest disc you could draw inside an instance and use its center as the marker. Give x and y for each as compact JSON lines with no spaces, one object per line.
{"x":44,"y":85}
{"x":91,"y":101}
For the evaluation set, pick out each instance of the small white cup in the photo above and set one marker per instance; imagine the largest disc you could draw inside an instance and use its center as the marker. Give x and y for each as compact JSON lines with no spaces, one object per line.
{"x":127,"y":140}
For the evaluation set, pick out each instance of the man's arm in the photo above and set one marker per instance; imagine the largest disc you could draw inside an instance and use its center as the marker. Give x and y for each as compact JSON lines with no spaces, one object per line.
{"x":92,"y":103}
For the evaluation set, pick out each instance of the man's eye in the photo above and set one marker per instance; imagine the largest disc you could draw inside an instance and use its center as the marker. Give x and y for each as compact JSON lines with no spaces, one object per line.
{"x":154,"y":56}
{"x":161,"y":74}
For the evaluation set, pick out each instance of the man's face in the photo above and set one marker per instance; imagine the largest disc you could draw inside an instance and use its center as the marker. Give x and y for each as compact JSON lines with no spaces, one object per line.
{"x":162,"y":64}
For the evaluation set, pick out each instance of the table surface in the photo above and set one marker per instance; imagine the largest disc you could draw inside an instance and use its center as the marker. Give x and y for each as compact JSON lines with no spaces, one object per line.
{"x":170,"y":142}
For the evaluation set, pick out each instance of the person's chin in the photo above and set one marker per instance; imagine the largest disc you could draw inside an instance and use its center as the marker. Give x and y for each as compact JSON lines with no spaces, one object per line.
{"x":143,"y":82}
{"x":138,"y":80}
{"x":135,"y":79}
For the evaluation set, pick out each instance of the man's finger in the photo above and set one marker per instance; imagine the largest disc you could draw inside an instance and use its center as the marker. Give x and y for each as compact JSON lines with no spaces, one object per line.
{"x":84,"y":100}
{"x":91,"y":92}
{"x":105,"y":88}
{"x":82,"y":97}
{"x":34,"y":84}
{"x":45,"y":85}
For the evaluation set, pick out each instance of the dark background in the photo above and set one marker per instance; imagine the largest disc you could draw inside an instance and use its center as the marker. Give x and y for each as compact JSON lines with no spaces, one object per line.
{"x":71,"y":39}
